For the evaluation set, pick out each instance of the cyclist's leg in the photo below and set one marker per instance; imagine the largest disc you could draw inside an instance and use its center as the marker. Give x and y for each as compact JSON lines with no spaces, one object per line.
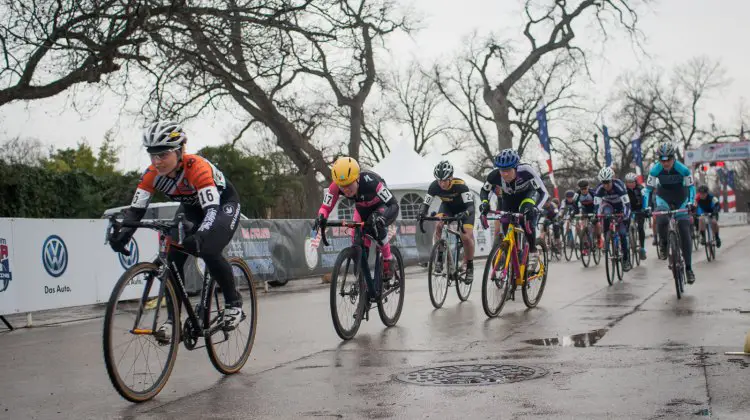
{"x":662,"y":222}
{"x":467,"y":237}
{"x":442,"y":212}
{"x":683,"y":225}
{"x":641,"y":221}
{"x":624,"y":227}
{"x":215,"y":237}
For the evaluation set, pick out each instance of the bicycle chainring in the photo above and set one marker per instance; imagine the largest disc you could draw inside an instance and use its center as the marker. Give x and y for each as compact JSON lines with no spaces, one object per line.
{"x":189,"y":338}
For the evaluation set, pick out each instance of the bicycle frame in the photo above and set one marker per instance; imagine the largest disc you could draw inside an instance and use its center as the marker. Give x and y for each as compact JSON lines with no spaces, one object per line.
{"x":161,"y":261}
{"x":444,"y":236}
{"x":374,"y":285}
{"x":510,"y":243}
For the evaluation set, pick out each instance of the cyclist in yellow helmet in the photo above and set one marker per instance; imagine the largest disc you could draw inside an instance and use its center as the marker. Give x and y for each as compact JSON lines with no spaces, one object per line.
{"x":374,"y":203}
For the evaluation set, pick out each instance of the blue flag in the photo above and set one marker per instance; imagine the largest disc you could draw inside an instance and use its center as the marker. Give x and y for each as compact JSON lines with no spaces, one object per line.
{"x":541,"y":116}
{"x":607,"y":151}
{"x":637,"y":154}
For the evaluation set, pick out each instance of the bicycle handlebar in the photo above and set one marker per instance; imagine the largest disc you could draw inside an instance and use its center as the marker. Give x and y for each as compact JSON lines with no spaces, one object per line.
{"x":161,"y":226}
{"x":454,"y":218}
{"x":500,"y":215}
{"x":668,"y":212}
{"x":343,"y":223}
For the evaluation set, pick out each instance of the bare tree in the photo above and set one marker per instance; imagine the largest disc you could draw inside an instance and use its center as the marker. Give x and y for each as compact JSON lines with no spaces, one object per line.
{"x":255,"y":59}
{"x":554,"y":24}
{"x":49,"y":46}
{"x":25,"y":151}
{"x":550,"y":84}
{"x":418,"y":104}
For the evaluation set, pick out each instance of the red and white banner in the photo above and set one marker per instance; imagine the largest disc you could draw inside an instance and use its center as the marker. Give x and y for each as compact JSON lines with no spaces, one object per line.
{"x":731,"y":200}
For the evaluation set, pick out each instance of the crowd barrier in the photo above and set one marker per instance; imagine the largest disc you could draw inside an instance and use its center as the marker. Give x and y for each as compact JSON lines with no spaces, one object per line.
{"x":58,"y":263}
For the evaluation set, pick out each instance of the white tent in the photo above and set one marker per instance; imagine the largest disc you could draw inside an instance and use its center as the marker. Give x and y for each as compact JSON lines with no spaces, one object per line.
{"x":405,"y":169}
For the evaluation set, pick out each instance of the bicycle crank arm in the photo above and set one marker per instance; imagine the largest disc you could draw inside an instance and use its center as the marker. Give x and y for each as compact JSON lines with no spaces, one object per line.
{"x":141,"y":331}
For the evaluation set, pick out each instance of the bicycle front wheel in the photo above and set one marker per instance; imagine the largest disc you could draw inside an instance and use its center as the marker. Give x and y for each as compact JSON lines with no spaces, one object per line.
{"x":533,"y":285}
{"x":438,"y":281}
{"x":229,"y":350}
{"x":391,"y":302}
{"x":609,"y":262}
{"x":495,"y":282}
{"x":568,"y":245}
{"x":619,"y":257}
{"x":463,"y":289}
{"x":694,"y":237}
{"x":675,"y":261}
{"x":137,"y":363}
{"x":584,"y":243}
{"x":595,"y":250}
{"x":348,"y":294}
{"x":635,"y":249}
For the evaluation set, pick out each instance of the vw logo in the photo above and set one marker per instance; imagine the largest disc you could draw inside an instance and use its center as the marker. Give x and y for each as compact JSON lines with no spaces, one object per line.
{"x":55,"y":256}
{"x":127,"y":261}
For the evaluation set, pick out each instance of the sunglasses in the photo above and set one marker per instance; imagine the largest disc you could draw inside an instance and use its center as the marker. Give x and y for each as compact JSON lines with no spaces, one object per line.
{"x":606,"y":182}
{"x":161,"y":155}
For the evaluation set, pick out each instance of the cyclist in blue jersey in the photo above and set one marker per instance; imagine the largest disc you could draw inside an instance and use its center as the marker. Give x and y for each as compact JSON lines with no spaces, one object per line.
{"x":611,"y":196}
{"x":707,"y":203}
{"x":672,"y":183}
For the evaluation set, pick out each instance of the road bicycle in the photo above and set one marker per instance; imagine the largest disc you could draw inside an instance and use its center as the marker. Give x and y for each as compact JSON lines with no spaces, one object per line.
{"x":505,"y":269}
{"x":555,"y":251}
{"x":353,"y":283}
{"x":613,"y":258}
{"x":570,"y":247}
{"x":694,"y":235}
{"x":450,"y":247}
{"x":674,"y":250}
{"x":586,"y":242}
{"x":635,"y":239}
{"x":710,"y":245}
{"x":150,"y":292}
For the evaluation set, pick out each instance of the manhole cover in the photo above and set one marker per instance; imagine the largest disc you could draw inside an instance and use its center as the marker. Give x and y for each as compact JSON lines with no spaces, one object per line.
{"x":485,"y":374}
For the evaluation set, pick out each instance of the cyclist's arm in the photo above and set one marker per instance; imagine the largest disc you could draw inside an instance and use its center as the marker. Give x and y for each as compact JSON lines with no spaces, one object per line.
{"x":391,"y":204}
{"x":330,"y":197}
{"x":687,"y":181}
{"x":651,"y":183}
{"x":541,"y":195}
{"x":493,"y":179}
{"x":431,"y":192}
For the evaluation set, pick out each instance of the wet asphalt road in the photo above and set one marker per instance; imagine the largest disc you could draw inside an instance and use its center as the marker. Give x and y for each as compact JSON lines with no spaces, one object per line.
{"x":656,"y":357}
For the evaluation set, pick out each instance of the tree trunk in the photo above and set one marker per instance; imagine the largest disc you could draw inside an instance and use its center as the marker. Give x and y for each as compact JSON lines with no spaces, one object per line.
{"x":355,"y":130}
{"x":498,"y":103}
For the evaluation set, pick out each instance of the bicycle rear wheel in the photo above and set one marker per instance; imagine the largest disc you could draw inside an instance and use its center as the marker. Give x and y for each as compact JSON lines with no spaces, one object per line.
{"x":126,"y":343}
{"x":463,"y":289}
{"x":221,"y":345}
{"x":348,"y":291}
{"x":392,"y":300}
{"x":585,"y":248}
{"x":495,"y":283}
{"x":609,"y":266}
{"x":675,"y":260}
{"x":532,"y":289}
{"x":438,"y":282}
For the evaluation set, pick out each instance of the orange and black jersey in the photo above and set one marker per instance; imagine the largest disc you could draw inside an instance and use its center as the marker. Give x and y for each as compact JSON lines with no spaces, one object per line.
{"x":197,"y":183}
{"x":456,"y":198}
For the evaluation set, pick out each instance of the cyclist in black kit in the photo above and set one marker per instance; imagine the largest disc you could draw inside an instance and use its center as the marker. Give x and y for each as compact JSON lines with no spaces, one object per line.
{"x":456,"y":199}
{"x":523,"y":191}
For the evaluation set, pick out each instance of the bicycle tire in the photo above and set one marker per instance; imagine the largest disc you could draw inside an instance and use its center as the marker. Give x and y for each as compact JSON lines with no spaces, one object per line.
{"x":694,"y":237}
{"x":634,"y":245}
{"x":585,"y":259}
{"x":675,"y":257}
{"x":358,"y":288}
{"x":709,"y":242}
{"x":619,"y":258}
{"x":608,"y":263}
{"x":249,"y":300}
{"x":488,"y":284}
{"x":568,"y":245}
{"x":435,"y":298}
{"x":463,"y":289}
{"x":111,"y":361}
{"x":398,"y":273}
{"x":544,"y":259}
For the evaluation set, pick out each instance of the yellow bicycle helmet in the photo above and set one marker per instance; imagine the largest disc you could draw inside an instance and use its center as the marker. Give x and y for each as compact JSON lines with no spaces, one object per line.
{"x":345,"y":171}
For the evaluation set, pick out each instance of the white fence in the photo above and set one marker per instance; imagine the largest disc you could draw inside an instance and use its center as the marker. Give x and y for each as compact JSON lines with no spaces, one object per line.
{"x":57,"y":263}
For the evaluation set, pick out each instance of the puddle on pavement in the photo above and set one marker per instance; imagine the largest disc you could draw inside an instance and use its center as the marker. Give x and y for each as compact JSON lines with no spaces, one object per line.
{"x":576,"y":340}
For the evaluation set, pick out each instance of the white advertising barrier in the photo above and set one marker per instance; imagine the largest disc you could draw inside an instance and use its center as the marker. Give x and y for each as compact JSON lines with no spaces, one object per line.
{"x":732,"y":219}
{"x":55,"y":263}
{"x":714,"y":152}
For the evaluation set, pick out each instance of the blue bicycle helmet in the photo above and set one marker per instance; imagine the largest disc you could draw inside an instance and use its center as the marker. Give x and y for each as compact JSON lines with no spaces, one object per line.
{"x":570,"y":194}
{"x":507,"y":159}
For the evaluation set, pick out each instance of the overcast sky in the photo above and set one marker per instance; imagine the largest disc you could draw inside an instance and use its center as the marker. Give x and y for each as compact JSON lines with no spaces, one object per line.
{"x":676,"y":30}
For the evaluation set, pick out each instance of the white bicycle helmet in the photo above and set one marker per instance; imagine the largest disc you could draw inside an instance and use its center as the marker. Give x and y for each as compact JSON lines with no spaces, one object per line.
{"x":606,"y":174}
{"x":163,"y":135}
{"x":443,"y":170}
{"x":631,"y":177}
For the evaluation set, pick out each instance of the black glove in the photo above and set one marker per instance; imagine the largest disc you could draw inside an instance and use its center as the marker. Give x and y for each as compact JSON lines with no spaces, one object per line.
{"x":484,"y":208}
{"x":320,"y":221}
{"x":420,"y":217}
{"x":119,"y":238}
{"x":377,"y":224}
{"x":529,"y":213}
